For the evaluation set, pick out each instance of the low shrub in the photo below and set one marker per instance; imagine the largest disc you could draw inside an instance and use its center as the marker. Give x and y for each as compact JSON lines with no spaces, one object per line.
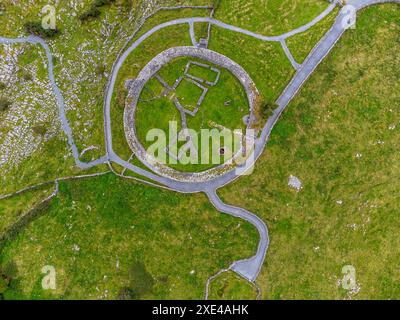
{"x":267,"y":109}
{"x":93,"y":11}
{"x":27,"y":76}
{"x":39,"y":130}
{"x":100,"y":3}
{"x":35,"y":28}
{"x":4,"y":104}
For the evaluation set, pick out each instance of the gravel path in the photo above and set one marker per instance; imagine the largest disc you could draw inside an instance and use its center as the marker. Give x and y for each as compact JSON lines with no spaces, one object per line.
{"x":248,"y":268}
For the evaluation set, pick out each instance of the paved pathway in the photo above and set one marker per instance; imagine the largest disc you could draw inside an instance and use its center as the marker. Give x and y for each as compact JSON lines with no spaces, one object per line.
{"x":248,"y":268}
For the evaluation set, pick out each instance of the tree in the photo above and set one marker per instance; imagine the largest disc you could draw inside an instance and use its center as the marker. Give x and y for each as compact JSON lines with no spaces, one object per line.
{"x":267,"y":109}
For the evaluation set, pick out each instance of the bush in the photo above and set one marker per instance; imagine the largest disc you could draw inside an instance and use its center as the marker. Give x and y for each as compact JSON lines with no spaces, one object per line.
{"x":121,"y":98}
{"x":2,"y":86}
{"x":141,"y":281}
{"x":267,"y":109}
{"x":3,"y":286}
{"x":126,"y":5}
{"x":125,"y":294}
{"x":56,"y":60}
{"x":100,"y":3}
{"x":4,"y":104}
{"x":93,"y":12}
{"x":100,"y":69}
{"x":27,"y":76}
{"x":39,"y":130}
{"x":36,"y":29}
{"x":8,"y":274}
{"x":216,"y":4}
{"x":10,"y":271}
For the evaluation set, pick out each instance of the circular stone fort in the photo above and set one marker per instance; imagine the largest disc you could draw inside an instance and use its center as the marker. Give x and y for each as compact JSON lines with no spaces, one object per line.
{"x":137,"y":88}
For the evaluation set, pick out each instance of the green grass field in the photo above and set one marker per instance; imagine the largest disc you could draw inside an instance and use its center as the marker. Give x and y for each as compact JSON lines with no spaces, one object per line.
{"x":340,"y":137}
{"x":269,"y":17}
{"x":109,"y":238}
{"x":12,"y":209}
{"x":265,"y":62}
{"x":156,"y":113}
{"x":105,"y":236}
{"x":301,"y":44}
{"x":230,"y":286}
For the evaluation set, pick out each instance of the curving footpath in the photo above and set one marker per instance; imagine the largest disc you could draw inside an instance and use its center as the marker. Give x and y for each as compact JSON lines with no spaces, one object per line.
{"x":248,"y":268}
